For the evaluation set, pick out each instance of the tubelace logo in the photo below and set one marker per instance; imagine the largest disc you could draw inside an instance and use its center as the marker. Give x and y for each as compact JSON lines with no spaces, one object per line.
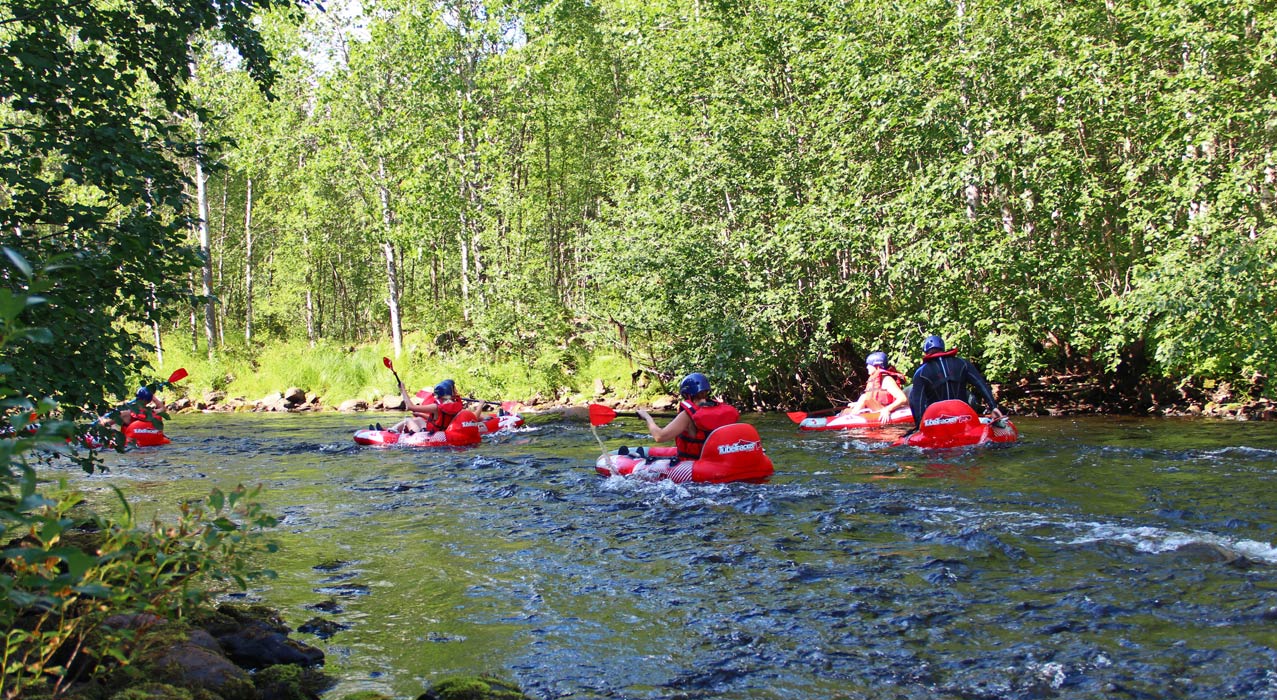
{"x":471,"y":424}
{"x":947,"y":420}
{"x":738,"y":446}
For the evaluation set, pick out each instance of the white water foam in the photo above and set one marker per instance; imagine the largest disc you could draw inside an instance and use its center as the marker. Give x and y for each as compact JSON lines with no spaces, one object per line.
{"x":1156,"y":540}
{"x":1142,"y":538}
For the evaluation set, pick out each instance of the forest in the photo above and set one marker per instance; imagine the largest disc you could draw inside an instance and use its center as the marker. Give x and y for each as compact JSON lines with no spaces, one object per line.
{"x":765,"y":191}
{"x":761,"y":190}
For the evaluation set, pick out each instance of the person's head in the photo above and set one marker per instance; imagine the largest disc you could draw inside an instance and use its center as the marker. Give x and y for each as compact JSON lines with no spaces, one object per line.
{"x":446,"y":388}
{"x":693,"y":385}
{"x":876,"y":360}
{"x":933,"y":343}
{"x":144,"y":394}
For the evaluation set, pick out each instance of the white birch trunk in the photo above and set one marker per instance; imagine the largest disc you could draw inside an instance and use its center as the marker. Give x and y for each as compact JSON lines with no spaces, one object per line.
{"x":201,"y":196}
{"x":388,"y":248}
{"x":248,"y":262}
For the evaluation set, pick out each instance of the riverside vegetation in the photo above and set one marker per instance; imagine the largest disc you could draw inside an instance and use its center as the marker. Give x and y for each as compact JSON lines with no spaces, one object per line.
{"x":764,"y":191}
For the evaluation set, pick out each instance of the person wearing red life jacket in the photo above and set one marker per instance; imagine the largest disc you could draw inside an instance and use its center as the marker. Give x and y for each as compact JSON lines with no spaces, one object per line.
{"x":146,"y":405}
{"x":882,"y":392}
{"x":942,"y":376}
{"x":430,"y":415}
{"x":698,"y":416}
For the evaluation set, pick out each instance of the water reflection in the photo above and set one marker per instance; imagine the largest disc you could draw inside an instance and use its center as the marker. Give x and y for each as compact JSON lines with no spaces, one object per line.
{"x":1097,"y":558}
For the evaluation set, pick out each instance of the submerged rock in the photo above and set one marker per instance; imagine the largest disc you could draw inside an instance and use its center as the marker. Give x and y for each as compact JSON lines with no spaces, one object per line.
{"x":322,"y":628}
{"x":473,"y":688}
{"x":288,"y":682}
{"x":190,"y":665}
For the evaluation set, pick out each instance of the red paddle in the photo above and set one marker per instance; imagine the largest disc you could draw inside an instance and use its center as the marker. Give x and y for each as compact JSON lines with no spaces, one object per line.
{"x":390,"y":366}
{"x":178,"y":375}
{"x":601,"y":415}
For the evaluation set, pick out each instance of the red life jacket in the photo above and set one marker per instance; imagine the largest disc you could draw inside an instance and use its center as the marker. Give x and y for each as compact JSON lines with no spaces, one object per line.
{"x":448,"y":410}
{"x":874,"y":386}
{"x":705,"y":419}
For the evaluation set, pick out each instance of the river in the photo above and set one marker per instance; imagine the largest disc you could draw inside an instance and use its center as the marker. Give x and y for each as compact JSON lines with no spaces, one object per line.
{"x":1098,"y":558}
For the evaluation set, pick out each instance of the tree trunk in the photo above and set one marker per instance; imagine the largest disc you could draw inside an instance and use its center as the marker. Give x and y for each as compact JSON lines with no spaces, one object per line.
{"x":155,"y":326}
{"x":310,"y":318}
{"x":201,"y":196}
{"x":464,"y":220}
{"x":195,"y":326}
{"x":310,"y":303}
{"x":248,"y":262}
{"x":388,"y":247}
{"x":221,"y":257}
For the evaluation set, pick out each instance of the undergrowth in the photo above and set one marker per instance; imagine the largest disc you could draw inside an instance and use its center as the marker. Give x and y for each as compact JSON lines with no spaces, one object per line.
{"x":339,"y":372}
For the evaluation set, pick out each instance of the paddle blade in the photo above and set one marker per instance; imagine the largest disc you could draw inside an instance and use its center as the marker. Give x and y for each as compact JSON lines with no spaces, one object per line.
{"x":797,"y":416}
{"x":178,"y":375}
{"x":600,"y":414}
{"x":386,"y":361}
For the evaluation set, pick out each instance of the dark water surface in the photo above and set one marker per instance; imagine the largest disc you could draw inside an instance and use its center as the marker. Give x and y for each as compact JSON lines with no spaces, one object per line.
{"x":1098,"y":558}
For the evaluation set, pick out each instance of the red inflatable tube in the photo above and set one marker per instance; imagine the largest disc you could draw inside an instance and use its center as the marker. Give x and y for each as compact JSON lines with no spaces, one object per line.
{"x":466,"y":429}
{"x":952,"y":423}
{"x":144,"y":434}
{"x":732,"y":453}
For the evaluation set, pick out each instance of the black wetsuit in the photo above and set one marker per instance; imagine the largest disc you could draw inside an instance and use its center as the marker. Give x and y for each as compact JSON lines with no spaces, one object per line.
{"x":945,"y":376}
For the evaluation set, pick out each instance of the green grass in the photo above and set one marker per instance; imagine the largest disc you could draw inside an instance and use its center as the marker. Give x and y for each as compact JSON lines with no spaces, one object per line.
{"x":340,"y":372}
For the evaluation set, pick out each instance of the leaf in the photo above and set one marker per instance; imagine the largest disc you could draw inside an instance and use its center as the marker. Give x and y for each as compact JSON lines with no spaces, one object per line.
{"x":18,"y":261}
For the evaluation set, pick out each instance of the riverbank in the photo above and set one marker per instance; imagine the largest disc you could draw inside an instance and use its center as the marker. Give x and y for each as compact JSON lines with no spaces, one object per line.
{"x":1047,"y":395}
{"x":295,"y":377}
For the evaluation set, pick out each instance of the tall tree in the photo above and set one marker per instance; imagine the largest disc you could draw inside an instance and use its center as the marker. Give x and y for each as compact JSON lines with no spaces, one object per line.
{"x":89,"y":176}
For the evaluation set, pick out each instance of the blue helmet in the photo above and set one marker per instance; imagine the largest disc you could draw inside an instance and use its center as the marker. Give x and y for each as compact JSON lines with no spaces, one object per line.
{"x":446,"y":388}
{"x":145,"y":394}
{"x":933,"y":343}
{"x":693,"y":384}
{"x":876,"y":359}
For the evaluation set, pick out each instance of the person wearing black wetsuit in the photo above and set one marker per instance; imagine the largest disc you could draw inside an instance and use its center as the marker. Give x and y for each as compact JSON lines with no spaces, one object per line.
{"x":943,"y":375}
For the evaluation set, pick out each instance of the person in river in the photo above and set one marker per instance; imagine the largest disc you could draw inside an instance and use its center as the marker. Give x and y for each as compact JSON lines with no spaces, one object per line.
{"x":943,"y":375}
{"x":882,"y":392}
{"x":430,"y":416}
{"x":698,"y":416}
{"x":146,"y":405}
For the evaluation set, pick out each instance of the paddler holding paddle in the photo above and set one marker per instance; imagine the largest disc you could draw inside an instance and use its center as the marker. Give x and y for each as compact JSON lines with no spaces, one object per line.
{"x":698,"y":416}
{"x":146,"y":403}
{"x":430,"y":416}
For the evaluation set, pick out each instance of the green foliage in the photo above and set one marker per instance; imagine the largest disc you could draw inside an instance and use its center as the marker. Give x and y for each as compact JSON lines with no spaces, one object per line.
{"x":59,"y":594}
{"x":93,"y":215}
{"x":767,"y":191}
{"x":91,"y":187}
{"x":57,"y":587}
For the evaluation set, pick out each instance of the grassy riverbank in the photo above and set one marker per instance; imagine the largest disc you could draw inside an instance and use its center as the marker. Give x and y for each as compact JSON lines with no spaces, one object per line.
{"x":340,"y":372}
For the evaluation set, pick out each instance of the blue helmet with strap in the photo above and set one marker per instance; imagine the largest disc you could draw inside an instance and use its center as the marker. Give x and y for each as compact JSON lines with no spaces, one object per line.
{"x":446,"y":388}
{"x":145,"y":394}
{"x":933,"y":343}
{"x":876,"y":359}
{"x":693,"y":384}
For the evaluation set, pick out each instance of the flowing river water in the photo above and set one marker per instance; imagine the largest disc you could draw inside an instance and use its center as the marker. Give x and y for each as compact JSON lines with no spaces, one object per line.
{"x":1097,"y":558}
